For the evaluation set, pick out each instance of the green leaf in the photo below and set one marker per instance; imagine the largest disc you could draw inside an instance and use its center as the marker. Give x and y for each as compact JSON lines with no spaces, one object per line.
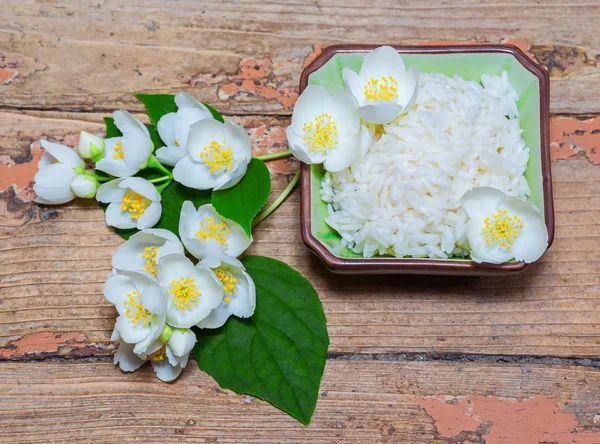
{"x":172,"y":199}
{"x":243,"y":201}
{"x":111,"y":128}
{"x":279,"y":353}
{"x":157,"y":105}
{"x":113,"y":131}
{"x":216,"y":114}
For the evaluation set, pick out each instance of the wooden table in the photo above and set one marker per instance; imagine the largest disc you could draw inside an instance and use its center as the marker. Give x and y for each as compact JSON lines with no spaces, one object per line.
{"x":412,"y":359}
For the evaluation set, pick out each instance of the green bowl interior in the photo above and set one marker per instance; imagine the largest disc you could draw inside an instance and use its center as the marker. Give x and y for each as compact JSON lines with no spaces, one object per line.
{"x":469,"y":67}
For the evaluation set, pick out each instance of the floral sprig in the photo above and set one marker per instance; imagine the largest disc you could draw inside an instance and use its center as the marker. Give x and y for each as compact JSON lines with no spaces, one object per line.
{"x":185,"y":192}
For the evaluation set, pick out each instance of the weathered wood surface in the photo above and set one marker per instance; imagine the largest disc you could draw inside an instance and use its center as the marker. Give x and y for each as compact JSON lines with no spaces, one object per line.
{"x":65,"y":65}
{"x":51,"y":280}
{"x":247,"y":56}
{"x":360,"y":401}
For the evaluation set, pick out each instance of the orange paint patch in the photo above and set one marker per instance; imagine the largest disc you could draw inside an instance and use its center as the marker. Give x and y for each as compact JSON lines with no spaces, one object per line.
{"x":531,"y":421}
{"x":19,"y":174}
{"x":569,"y":136}
{"x":45,"y":342}
{"x":256,"y":79}
{"x":522,"y":44}
{"x":317,"y":50}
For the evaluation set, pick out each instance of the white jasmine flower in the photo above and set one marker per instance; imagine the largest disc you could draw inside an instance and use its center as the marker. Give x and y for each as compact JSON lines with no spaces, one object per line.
{"x":503,"y":227}
{"x":91,"y":146}
{"x":383,"y":89}
{"x":205,"y":233}
{"x":84,"y":186}
{"x":324,"y":129}
{"x":217,"y":156}
{"x":162,"y":355}
{"x":239,"y":291}
{"x":142,"y":307}
{"x":58,"y":167}
{"x":193,"y":291}
{"x":124,"y":156}
{"x":133,"y":203}
{"x":173,"y":128}
{"x":144,"y":249}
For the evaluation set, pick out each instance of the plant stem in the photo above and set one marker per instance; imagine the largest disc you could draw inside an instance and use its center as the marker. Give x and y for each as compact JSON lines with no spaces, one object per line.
{"x":159,"y":179}
{"x":285,"y":193}
{"x":154,"y":163}
{"x":100,"y":179}
{"x":162,"y":187}
{"x":274,"y":156}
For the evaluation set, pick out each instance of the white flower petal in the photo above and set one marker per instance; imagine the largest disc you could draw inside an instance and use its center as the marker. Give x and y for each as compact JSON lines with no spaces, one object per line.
{"x":117,"y":218}
{"x":83,"y":186}
{"x":170,"y":155}
{"x":161,"y":235}
{"x":63,"y":154}
{"x":116,"y":289}
{"x":112,"y":166}
{"x":408,"y":88}
{"x":186,"y":117}
{"x":314,"y":100}
{"x":46,"y":160}
{"x":193,"y":174}
{"x":127,"y":360}
{"x":480,"y":252}
{"x":154,"y":299}
{"x":481,"y":202}
{"x":202,"y":134}
{"x":217,"y":317}
{"x":243,"y":307}
{"x":186,"y":100}
{"x":166,"y":129}
{"x":182,"y":342}
{"x":110,"y":192}
{"x":344,"y":113}
{"x":150,"y":217}
{"x":353,"y":87}
{"x":344,"y":154}
{"x":165,"y":371}
{"x":172,"y":268}
{"x":384,"y":61}
{"x":380,"y":112}
{"x":141,"y":186}
{"x":131,"y":333}
{"x":233,"y":177}
{"x":532,"y":241}
{"x":137,"y":145}
{"x":300,"y":149}
{"x":53,"y":183}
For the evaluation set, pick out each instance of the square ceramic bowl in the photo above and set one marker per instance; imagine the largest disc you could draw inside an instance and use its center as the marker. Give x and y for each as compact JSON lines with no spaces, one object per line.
{"x":532,"y":85}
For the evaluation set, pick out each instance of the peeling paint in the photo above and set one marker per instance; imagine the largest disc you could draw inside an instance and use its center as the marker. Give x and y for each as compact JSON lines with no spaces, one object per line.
{"x":562,"y":61}
{"x":532,"y":421}
{"x":14,"y":68}
{"x":570,"y":136}
{"x":317,"y":50}
{"x":522,"y":44}
{"x":40,"y":343}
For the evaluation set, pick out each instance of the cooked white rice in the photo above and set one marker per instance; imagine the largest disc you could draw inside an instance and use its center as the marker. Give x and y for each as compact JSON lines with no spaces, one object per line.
{"x":401,"y":197}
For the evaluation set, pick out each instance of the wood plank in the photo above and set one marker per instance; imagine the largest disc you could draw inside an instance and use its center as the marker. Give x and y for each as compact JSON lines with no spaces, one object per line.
{"x":55,"y":259}
{"x":360,"y":401}
{"x":246,"y":57}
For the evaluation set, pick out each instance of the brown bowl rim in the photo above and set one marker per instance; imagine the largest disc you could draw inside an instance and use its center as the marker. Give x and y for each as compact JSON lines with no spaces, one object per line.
{"x":416,"y":265}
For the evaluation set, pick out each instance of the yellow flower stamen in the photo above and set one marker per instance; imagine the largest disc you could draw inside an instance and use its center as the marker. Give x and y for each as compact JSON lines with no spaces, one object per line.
{"x":119,"y":151}
{"x":175,"y":141}
{"x":381,"y":89}
{"x":218,"y":156}
{"x":501,"y":229}
{"x":229,"y":283}
{"x":184,"y":292}
{"x":135,"y":204}
{"x":150,"y":255}
{"x":209,"y":229}
{"x":320,"y":135}
{"x":135,"y":310}
{"x":159,"y":355}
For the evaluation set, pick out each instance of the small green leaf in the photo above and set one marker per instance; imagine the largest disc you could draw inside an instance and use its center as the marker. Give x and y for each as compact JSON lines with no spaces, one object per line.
{"x":243,"y":201}
{"x":216,"y":114}
{"x":111,"y":128}
{"x":172,"y":199}
{"x":157,"y":105}
{"x":279,"y":353}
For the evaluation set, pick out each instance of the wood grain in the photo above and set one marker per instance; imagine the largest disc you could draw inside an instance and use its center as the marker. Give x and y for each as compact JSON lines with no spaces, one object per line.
{"x":246,"y":57}
{"x":359,"y":402}
{"x":55,"y":260}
